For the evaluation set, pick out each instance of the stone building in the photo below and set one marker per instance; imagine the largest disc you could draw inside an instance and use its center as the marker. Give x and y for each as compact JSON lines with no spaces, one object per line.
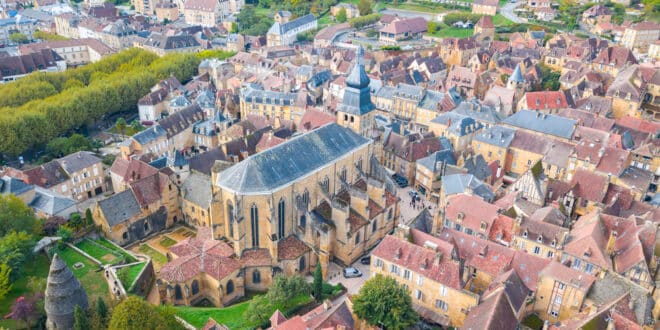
{"x":63,"y":294}
{"x":322,"y":190}
{"x":356,"y":109}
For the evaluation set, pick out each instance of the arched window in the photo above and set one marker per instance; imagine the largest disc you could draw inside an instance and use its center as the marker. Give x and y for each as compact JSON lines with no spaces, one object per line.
{"x":302,"y":264}
{"x":256,"y":277}
{"x":374,"y":225}
{"x":326,"y":184}
{"x":303,"y":221}
{"x":230,"y":287}
{"x":357,"y":238}
{"x":389,"y":214}
{"x":125,"y":235}
{"x":254,"y":221}
{"x":146,"y":226}
{"x":230,"y":217}
{"x":195,"y":287}
{"x":342,"y":175}
{"x":280,"y":218}
{"x":177,"y":292}
{"x":306,"y":197}
{"x":359,"y":164}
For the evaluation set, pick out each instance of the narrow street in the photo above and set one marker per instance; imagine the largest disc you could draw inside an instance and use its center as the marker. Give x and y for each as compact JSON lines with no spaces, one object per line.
{"x":508,"y":12}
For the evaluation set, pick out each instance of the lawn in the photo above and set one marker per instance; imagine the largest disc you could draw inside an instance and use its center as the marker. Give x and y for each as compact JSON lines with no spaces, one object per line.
{"x":232,"y":316}
{"x":499,"y":20}
{"x":127,"y":275}
{"x":158,"y":258}
{"x":533,"y":321}
{"x":90,"y":276}
{"x":419,"y":7}
{"x":167,"y":242}
{"x":129,"y":257}
{"x":37,"y":267}
{"x":99,"y":252}
{"x":452,"y":32}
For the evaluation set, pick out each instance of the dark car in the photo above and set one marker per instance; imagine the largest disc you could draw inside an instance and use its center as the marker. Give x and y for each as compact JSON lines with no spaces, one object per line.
{"x":366,"y":260}
{"x":352,"y":272}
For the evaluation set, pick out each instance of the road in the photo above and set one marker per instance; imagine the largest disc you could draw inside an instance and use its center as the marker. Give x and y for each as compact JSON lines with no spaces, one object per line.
{"x":507,"y":11}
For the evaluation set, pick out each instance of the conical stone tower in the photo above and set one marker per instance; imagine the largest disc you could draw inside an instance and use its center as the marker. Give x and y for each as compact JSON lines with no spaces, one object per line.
{"x":63,"y":293}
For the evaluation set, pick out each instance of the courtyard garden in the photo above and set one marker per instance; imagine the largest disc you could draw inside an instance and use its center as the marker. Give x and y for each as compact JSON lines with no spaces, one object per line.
{"x":104,"y":251}
{"x":157,"y":258}
{"x":90,"y":275}
{"x":127,"y":275}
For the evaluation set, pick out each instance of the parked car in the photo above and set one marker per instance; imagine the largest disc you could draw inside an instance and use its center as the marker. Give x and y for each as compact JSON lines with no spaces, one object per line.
{"x":401,"y":181}
{"x":352,"y":272}
{"x":366,"y":260}
{"x":412,"y":193}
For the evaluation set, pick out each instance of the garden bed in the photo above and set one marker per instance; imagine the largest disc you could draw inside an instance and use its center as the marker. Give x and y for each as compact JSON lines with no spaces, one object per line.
{"x":158,"y":258}
{"x":90,"y":274}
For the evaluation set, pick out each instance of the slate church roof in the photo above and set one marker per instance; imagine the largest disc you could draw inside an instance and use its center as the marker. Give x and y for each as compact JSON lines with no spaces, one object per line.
{"x":357,"y":97}
{"x":296,"y":158}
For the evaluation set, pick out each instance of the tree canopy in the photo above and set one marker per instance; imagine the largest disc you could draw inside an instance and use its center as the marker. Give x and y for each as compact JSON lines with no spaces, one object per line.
{"x":112,"y":85}
{"x":383,"y":302}
{"x":16,"y":216}
{"x":137,"y":314}
{"x":341,"y":15}
{"x":364,"y":6}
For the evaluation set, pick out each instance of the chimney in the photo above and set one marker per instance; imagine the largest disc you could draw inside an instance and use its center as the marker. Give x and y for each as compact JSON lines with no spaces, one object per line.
{"x":601,"y":152}
{"x":437,"y":259}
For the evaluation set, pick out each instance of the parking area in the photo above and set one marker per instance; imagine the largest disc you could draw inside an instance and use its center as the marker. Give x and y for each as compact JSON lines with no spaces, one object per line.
{"x":352,"y":285}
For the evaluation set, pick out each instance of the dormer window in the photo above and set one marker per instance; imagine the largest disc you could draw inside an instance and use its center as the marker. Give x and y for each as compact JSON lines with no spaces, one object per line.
{"x":484,"y":225}
{"x":524,"y":234}
{"x":540,"y":238}
{"x":554,"y":242}
{"x":460,"y":216}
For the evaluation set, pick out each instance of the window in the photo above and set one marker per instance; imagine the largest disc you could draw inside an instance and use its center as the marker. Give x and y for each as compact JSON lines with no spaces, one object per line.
{"x":537,"y":250}
{"x":302,"y":265}
{"x":195,"y":287}
{"x":254,"y":222}
{"x":342,"y":175}
{"x":326,"y":184}
{"x":378,"y":262}
{"x":468,"y":231}
{"x":443,"y":291}
{"x":230,"y":216}
{"x":551,"y":254}
{"x":394,"y":269}
{"x":178,"y":295}
{"x":374,"y":225}
{"x":303,"y":221}
{"x":256,"y":277}
{"x":420,"y":280}
{"x":280,"y":218}
{"x":418,"y":294}
{"x":589,"y":268}
{"x":357,"y":238}
{"x":406,"y":274}
{"x":484,"y":225}
{"x":441,"y":305}
{"x":230,"y":287}
{"x":577,"y":263}
{"x":389,"y":214}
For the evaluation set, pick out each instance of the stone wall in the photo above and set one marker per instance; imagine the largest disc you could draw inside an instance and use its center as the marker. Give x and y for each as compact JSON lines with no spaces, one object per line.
{"x":144,"y":281}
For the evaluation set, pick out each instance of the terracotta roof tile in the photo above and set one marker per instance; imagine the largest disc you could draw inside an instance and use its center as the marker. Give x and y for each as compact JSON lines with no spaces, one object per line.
{"x":291,"y":248}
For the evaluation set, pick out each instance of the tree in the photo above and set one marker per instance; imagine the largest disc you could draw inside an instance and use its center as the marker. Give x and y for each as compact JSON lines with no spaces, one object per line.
{"x":364,"y":6}
{"x":121,"y":124}
{"x":432,"y":27}
{"x":16,"y":216}
{"x":52,"y":224}
{"x":15,"y":250}
{"x":80,"y":321}
{"x":317,"y":285}
{"x":65,"y":233}
{"x":383,"y":302}
{"x":135,"y":313}
{"x":137,"y":126}
{"x":88,"y":217}
{"x":22,"y":310}
{"x":76,"y":221}
{"x":341,"y":15}
{"x":18,"y":38}
{"x":101,"y":309}
{"x":5,"y":280}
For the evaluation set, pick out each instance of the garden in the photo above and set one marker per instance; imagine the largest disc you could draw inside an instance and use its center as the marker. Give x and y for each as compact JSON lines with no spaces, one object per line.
{"x":127,"y":275}
{"x":89,"y":274}
{"x":104,"y":251}
{"x":157,"y":258}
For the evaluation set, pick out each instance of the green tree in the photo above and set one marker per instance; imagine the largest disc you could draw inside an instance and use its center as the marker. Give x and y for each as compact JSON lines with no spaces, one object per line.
{"x":65,"y":233}
{"x":76,"y":221}
{"x":136,"y":314}
{"x":432,"y":27}
{"x":15,"y":251}
{"x":48,"y":36}
{"x":136,"y":126}
{"x":89,"y":220}
{"x":317,"y":285}
{"x":16,"y":216}
{"x":18,"y":38}
{"x":80,"y":321}
{"x":5,"y":280}
{"x":101,"y":309}
{"x":364,"y":6}
{"x":383,"y":302}
{"x":121,"y":125}
{"x":341,"y":15}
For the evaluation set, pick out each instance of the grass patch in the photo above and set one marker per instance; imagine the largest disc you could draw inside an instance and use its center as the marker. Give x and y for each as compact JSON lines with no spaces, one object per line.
{"x":91,"y":279}
{"x":499,"y":20}
{"x":37,"y":267}
{"x":127,"y":275}
{"x":157,"y":257}
{"x":233,"y":316}
{"x":167,"y":242}
{"x":99,"y":252}
{"x":533,"y":321}
{"x":419,"y":7}
{"x":128,"y":257}
{"x":445,"y":31}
